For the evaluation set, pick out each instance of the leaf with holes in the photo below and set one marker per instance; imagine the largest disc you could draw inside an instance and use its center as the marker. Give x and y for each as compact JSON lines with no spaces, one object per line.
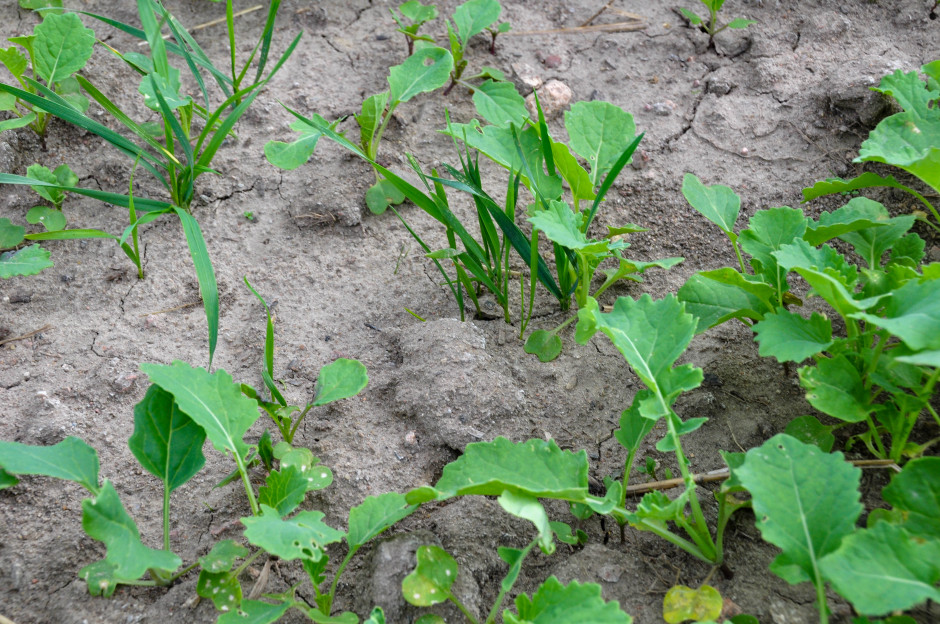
{"x":431,"y":580}
{"x":302,"y":536}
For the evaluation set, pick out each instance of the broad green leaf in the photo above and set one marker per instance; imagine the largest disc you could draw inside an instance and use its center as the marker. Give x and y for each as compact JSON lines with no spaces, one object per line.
{"x":425,"y":70}
{"x":50,"y":218}
{"x":432,"y":578}
{"x":855,"y":215}
{"x":499,"y":103}
{"x":284,"y":490}
{"x":831,"y":286}
{"x":545,"y":344}
{"x":376,"y":514}
{"x":667,"y":444}
{"x":222,"y":556}
{"x":318,"y":617}
{"x":909,"y":139}
{"x":739,"y":23}
{"x":369,"y":120}
{"x":719,"y":204}
{"x":806,"y":502}
{"x":316,"y":475}
{"x":418,"y":13}
{"x":835,"y":387}
{"x":909,"y":251}
{"x":718,"y":296}
{"x":100,"y":578}
{"x":472,"y":17}
{"x":694,"y":19}
{"x":302,"y":536}
{"x":212,"y":400}
{"x":536,"y":468}
{"x":292,"y":155}
{"x":61,"y":46}
{"x":14,"y":60}
{"x":65,"y":176}
{"x":341,"y":379}
{"x":529,"y":508}
{"x":831,"y":186}
{"x":871,"y":243}
{"x":791,"y":338}
{"x":574,"y":174}
{"x":7,"y":102}
{"x":105,"y":520}
{"x":633,"y":426}
{"x":768,"y":231}
{"x":70,"y":459}
{"x":166,"y":442}
{"x":222,"y":588}
{"x":599,"y":132}
{"x":651,"y":335}
{"x":44,"y":174}
{"x":575,"y":603}
{"x":800,"y":254}
{"x":916,"y":493}
{"x":912,"y":313}
{"x":17,"y":122}
{"x":684,"y":603}
{"x":27,"y":261}
{"x":255,"y":612}
{"x":923,"y":358}
{"x":10,"y":235}
{"x":381,"y":195}
{"x":563,"y":226}
{"x":884,"y":569}
{"x":169,"y":89}
{"x":808,"y":430}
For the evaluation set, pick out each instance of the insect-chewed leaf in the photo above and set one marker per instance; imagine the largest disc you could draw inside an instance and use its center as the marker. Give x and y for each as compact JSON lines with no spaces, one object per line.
{"x":575,"y":603}
{"x":212,"y":400}
{"x":425,"y":70}
{"x":341,"y":379}
{"x":70,"y":459}
{"x":719,"y":204}
{"x":255,"y":612}
{"x":806,"y":501}
{"x":684,"y":603}
{"x":376,"y":514}
{"x":916,"y":493}
{"x":431,"y":580}
{"x":599,"y":132}
{"x":61,"y":46}
{"x":499,"y":103}
{"x":27,"y":261}
{"x":791,"y":338}
{"x":545,"y":344}
{"x":222,"y":556}
{"x":105,"y":520}
{"x":472,"y":17}
{"x":285,"y":490}
{"x":166,"y":442}
{"x":835,"y":387}
{"x":912,"y":314}
{"x":884,"y":569}
{"x":302,"y":536}
{"x":651,"y":335}
{"x":535,"y":468}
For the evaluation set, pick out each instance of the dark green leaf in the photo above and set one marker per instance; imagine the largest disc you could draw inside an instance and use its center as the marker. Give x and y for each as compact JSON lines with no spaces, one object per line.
{"x":808,"y":430}
{"x":791,"y":338}
{"x":835,"y":387}
{"x":916,"y":493}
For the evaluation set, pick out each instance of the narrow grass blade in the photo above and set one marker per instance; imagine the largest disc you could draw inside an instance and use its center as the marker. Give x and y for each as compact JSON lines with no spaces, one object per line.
{"x":117,"y":199}
{"x":266,"y":37}
{"x":609,"y":180}
{"x":208,"y":287}
{"x":268,"y":370}
{"x":216,"y":141}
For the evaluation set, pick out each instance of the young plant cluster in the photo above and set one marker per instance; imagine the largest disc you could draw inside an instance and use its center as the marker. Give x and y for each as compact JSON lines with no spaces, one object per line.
{"x":872,"y":359}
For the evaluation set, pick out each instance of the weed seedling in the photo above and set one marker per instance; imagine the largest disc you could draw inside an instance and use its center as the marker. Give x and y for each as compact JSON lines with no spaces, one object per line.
{"x":59,"y":46}
{"x":710,"y":25}
{"x":471,"y":18}
{"x":410,"y":17}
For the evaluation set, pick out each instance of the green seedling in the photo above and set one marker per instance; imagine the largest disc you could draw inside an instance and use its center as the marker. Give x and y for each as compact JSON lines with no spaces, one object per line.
{"x":471,"y":18}
{"x":425,"y":70}
{"x":59,"y":47}
{"x":502,"y":27}
{"x":190,"y":133}
{"x":651,"y":335}
{"x":702,"y":606}
{"x":519,"y":475}
{"x":908,"y":140}
{"x":710,"y":25}
{"x":807,"y":503}
{"x":339,"y":380}
{"x":410,"y":17}
{"x":183,"y":408}
{"x":249,"y":215}
{"x":882,"y":373}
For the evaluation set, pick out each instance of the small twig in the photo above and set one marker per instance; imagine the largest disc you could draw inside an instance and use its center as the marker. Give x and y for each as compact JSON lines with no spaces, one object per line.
{"x":588,"y":21}
{"x":214,"y":22}
{"x":613,"y":27}
{"x":724,"y":473}
{"x":173,"y":309}
{"x":4,"y":620}
{"x":14,"y":339}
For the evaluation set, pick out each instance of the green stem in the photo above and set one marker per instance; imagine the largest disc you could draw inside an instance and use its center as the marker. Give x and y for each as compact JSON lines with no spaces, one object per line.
{"x":462,"y":608}
{"x":373,"y":153}
{"x":821,"y":600}
{"x":491,"y":616}
{"x":246,"y":563}
{"x":182,"y":571}
{"x":737,"y":252}
{"x":243,"y":471}
{"x":293,"y":429}
{"x":328,"y":602}
{"x":933,"y":413}
{"x":698,"y":517}
{"x":881,"y":453}
{"x":166,"y":517}
{"x":627,"y":468}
